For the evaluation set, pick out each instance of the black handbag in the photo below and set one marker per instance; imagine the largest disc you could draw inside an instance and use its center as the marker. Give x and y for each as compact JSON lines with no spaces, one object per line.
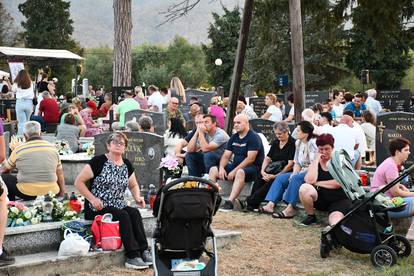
{"x":275,"y":167}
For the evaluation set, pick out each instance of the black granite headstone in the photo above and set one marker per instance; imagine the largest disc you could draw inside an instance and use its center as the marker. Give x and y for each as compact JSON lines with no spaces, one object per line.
{"x":313,"y":97}
{"x":144,"y":151}
{"x":203,"y":97}
{"x":265,"y":127}
{"x":389,"y":126}
{"x":258,"y":104}
{"x":158,"y":118}
{"x":395,"y":100}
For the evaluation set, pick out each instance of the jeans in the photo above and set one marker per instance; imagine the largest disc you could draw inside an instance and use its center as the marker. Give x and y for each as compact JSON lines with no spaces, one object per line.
{"x":199,"y":163}
{"x":40,"y":120}
{"x":287,"y":189}
{"x":23,"y":110}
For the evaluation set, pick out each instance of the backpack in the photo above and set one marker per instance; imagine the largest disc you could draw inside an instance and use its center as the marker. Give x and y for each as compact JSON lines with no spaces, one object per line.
{"x":106,"y":232}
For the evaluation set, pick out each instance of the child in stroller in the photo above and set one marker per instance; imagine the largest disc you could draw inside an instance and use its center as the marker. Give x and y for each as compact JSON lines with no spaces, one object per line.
{"x":184,"y":209}
{"x":366,"y":228}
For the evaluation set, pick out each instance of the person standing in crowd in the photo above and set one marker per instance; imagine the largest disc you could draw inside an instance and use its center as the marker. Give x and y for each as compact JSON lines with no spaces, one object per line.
{"x":372,"y":104}
{"x":124,"y":106}
{"x":165,"y":93}
{"x":110,"y":175}
{"x":282,"y":151}
{"x":23,"y":89}
{"x":91,"y":92}
{"x":286,"y":186}
{"x":320,"y":190}
{"x":346,"y":138}
{"x":5,"y":88}
{"x":140,"y":97}
{"x":273,"y":111}
{"x":338,"y":107}
{"x":368,"y":126}
{"x":247,"y":150}
{"x":43,"y":85}
{"x":217,"y":111}
{"x":155,"y":100}
{"x":348,"y":98}
{"x":38,"y":164}
{"x":172,"y":136}
{"x":291,"y":116}
{"x":389,"y":170}
{"x":206,"y":147}
{"x":177,"y":90}
{"x":172,"y":111}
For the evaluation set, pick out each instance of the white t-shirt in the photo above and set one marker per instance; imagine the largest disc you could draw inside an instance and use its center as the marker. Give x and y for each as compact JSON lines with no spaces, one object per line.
{"x":338,"y":109}
{"x":345,"y":138}
{"x":361,"y":139}
{"x":369,"y":130}
{"x":275,"y":113}
{"x":23,"y":94}
{"x":156,"y":99}
{"x":326,"y":129}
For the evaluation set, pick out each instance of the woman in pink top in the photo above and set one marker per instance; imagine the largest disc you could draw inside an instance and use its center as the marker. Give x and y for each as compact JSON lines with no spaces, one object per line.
{"x":217,"y":111}
{"x":389,"y":170}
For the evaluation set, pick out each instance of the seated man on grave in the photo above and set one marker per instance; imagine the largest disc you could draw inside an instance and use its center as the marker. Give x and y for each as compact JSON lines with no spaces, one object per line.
{"x":206,"y":147}
{"x":39,"y":168}
{"x":247,"y":150}
{"x":172,"y":110}
{"x":181,"y":148}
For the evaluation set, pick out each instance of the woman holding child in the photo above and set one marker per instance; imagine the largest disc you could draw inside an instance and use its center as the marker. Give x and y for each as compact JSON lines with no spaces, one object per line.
{"x":110,"y":175}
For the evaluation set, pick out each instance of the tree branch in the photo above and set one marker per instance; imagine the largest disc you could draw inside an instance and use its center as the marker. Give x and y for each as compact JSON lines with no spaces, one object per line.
{"x":179,"y":9}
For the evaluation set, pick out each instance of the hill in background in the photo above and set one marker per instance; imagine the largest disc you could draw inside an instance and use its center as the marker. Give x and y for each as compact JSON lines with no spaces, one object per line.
{"x":93,"y":20}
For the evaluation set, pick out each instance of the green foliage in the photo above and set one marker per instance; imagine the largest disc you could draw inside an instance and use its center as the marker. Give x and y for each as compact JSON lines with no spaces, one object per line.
{"x":98,"y":66}
{"x":223,"y":34}
{"x":145,"y":60}
{"x":49,"y":26}
{"x":269,"y":53}
{"x":408,"y":81}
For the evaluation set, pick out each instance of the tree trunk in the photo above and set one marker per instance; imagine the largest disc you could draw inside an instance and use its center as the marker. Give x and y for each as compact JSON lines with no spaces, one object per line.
{"x":238,"y":64}
{"x":297,"y":57}
{"x":122,"y":43}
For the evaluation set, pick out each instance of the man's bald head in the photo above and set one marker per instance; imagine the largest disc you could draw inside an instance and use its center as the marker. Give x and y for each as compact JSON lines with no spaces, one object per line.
{"x":347,"y":120}
{"x":241,"y":123}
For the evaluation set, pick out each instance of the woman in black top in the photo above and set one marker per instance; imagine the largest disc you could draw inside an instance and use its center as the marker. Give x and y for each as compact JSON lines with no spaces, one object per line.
{"x":283,"y":150}
{"x":110,"y":175}
{"x":321,"y":191}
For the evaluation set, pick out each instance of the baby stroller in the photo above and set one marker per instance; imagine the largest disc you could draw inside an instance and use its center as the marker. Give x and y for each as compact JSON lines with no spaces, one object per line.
{"x":185,"y":211}
{"x":366,"y":228}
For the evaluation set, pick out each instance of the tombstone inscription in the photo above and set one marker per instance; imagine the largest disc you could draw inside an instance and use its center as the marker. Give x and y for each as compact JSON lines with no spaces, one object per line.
{"x":144,"y":151}
{"x":265,"y":127}
{"x":203,"y":97}
{"x":158,"y":118}
{"x":395,"y":100}
{"x":389,"y":126}
{"x":313,"y":97}
{"x":258,"y":104}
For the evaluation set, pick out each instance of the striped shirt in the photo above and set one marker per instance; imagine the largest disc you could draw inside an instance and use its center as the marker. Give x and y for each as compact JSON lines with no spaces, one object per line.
{"x":36,"y":162}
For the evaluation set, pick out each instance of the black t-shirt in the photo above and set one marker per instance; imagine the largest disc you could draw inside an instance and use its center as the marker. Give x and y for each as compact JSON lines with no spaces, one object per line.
{"x":241,"y":146}
{"x":4,"y":89}
{"x":323,"y":175}
{"x":42,"y":86}
{"x":285,"y":154}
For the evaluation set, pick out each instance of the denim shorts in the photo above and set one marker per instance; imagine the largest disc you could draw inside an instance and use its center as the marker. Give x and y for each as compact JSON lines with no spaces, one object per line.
{"x":251,"y":172}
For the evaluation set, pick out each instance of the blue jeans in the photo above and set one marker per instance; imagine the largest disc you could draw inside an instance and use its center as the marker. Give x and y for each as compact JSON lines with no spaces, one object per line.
{"x":287,"y":189}
{"x":406,"y":212}
{"x":199,"y":163}
{"x":23,"y":110}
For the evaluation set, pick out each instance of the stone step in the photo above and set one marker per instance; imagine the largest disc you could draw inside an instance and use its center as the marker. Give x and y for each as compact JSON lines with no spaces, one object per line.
{"x":43,"y":237}
{"x":48,"y":263}
{"x":227,"y":185}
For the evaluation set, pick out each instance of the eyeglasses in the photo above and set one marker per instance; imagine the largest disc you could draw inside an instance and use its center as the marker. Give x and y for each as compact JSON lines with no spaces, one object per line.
{"x":118,"y":143}
{"x":174,"y":103}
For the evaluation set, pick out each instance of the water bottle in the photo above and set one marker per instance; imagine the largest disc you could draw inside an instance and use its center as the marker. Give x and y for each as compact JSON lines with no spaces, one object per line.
{"x":152,"y":194}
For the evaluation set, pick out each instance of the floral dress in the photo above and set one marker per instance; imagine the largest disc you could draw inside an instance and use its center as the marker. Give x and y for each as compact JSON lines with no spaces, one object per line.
{"x":90,"y":129}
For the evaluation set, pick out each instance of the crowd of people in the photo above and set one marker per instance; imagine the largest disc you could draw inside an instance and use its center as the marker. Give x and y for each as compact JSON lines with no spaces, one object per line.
{"x":291,"y":168}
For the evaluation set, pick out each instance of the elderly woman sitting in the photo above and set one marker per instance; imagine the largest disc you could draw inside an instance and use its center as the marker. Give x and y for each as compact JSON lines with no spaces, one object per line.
{"x":110,"y":175}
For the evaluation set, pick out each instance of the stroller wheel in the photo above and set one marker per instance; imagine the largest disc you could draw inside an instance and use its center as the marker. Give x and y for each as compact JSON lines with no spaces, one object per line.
{"x":400,"y":245}
{"x":383,"y":256}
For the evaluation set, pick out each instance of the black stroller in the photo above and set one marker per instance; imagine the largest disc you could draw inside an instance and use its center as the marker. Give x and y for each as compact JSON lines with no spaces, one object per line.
{"x":184,"y":210}
{"x":366,"y":228}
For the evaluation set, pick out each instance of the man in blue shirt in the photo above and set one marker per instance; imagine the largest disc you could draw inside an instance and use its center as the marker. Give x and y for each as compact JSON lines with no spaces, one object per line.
{"x":356,"y":106}
{"x":247,"y":150}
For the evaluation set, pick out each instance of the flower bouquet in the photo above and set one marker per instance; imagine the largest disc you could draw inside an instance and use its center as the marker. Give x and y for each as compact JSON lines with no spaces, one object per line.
{"x":170,"y":167}
{"x":20,"y":215}
{"x":63,"y":147}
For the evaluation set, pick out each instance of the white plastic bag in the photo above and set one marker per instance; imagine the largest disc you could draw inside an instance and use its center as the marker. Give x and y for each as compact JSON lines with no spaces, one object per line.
{"x":73,"y":245}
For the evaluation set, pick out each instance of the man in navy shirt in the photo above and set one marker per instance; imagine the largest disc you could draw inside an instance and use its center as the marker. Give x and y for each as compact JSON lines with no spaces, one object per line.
{"x":247,"y":150}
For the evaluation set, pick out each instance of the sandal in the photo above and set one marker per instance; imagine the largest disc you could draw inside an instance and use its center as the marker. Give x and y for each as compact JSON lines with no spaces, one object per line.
{"x":281,"y":215}
{"x":262,"y":210}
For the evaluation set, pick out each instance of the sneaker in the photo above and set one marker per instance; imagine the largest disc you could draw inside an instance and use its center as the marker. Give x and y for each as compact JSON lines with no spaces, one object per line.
{"x":147,"y":257}
{"x":309,"y":220}
{"x":227,"y":206}
{"x":240,"y":205}
{"x":136,"y":263}
{"x":5,"y":259}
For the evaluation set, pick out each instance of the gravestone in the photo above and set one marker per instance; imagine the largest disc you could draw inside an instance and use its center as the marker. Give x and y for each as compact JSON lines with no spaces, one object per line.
{"x":265,"y":127}
{"x":258,"y":105}
{"x":393,"y":125}
{"x":203,"y":97}
{"x":395,"y":100}
{"x":313,"y":97}
{"x":160,"y":124}
{"x":144,"y":151}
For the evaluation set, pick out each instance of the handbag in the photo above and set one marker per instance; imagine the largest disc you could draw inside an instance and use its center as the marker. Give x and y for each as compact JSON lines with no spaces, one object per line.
{"x":275,"y":167}
{"x":73,"y":245}
{"x":106,"y":232}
